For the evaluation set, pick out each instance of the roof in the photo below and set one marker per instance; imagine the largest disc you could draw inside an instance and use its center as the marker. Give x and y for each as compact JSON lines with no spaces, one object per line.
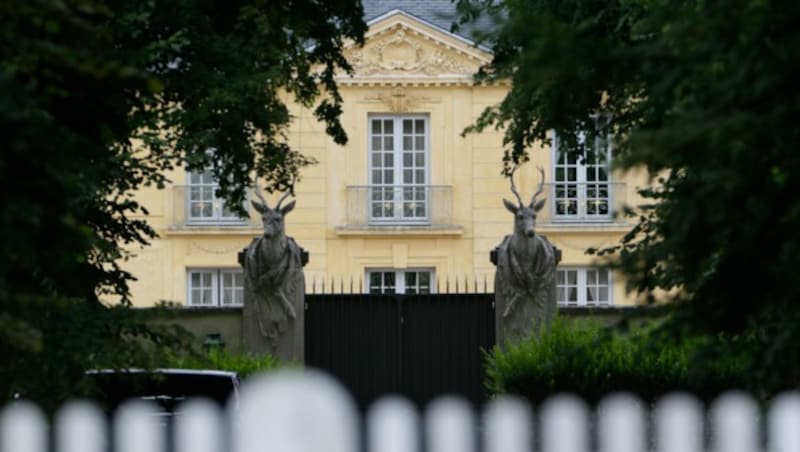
{"x":441,"y":13}
{"x":218,"y":373}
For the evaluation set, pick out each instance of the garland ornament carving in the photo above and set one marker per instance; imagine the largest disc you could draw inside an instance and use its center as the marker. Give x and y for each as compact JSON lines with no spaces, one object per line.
{"x":398,"y":100}
{"x":402,"y":54}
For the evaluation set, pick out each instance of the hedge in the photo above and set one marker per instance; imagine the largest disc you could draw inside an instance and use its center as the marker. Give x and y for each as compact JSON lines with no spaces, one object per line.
{"x":590,"y":360}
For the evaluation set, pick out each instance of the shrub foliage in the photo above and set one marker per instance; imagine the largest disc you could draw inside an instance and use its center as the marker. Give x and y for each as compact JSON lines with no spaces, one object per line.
{"x":587,"y":359}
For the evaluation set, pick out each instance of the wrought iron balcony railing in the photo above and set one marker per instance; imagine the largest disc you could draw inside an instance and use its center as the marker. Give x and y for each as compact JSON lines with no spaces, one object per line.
{"x":399,"y":205}
{"x":583,"y":202}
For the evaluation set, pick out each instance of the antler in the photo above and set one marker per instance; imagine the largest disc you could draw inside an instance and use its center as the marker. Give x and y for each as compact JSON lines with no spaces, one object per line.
{"x":513,"y":187}
{"x":258,"y":193}
{"x":289,"y":192}
{"x":541,"y":186}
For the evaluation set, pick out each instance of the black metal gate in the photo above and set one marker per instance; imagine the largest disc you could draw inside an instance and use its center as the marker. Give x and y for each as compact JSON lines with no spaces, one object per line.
{"x":419,"y":346}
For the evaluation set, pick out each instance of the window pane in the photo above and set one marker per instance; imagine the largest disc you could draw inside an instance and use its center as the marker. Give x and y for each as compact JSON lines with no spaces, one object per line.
{"x":389,"y":281}
{"x":411,"y":279}
{"x":376,"y":144}
{"x":407,"y":126}
{"x":407,"y":142}
{"x":419,"y":126}
{"x":424,"y":278}
{"x":572,"y":174}
{"x":420,"y":159}
{"x":573,"y":294}
{"x":388,"y":126}
{"x":388,"y":160}
{"x":420,"y":143}
{"x":603,"y":277}
{"x":408,"y":159}
{"x":376,"y":126}
{"x":388,"y":144}
{"x":572,"y":277}
{"x":195,"y":278}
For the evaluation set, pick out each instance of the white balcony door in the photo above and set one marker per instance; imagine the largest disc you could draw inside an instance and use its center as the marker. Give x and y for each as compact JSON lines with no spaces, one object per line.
{"x":399,"y":169}
{"x":582,"y":183}
{"x":202,"y":204}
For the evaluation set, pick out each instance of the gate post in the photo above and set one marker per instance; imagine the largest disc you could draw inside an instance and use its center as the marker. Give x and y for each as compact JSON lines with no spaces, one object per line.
{"x":273,"y":317}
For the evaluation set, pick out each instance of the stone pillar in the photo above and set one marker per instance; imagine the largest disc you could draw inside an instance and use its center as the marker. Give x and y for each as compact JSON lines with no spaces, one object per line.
{"x":525,"y":293}
{"x":273,"y":317}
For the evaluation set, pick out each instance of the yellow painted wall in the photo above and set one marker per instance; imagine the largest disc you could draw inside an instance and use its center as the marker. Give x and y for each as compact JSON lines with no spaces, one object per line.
{"x":470,"y":165}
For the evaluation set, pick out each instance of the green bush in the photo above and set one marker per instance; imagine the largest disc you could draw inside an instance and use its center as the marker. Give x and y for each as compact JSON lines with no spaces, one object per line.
{"x":586,"y":358}
{"x":243,"y":363}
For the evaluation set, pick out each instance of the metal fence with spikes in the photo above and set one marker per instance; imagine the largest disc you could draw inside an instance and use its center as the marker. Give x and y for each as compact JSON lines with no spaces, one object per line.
{"x":447,"y":284}
{"x":290,"y":411}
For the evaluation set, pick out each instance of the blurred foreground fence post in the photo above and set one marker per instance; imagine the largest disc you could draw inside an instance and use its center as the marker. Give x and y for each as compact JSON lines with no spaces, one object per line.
{"x":296,"y":411}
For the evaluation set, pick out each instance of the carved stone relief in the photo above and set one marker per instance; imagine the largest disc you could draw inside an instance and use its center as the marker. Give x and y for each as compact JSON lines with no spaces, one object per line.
{"x":397,"y":100}
{"x":400,"y":50}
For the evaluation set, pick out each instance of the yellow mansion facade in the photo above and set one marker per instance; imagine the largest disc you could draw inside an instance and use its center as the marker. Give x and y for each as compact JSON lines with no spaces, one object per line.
{"x":408,"y":205}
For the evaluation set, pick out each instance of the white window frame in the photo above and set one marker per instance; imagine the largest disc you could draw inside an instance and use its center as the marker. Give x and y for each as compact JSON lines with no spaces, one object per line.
{"x":218,"y":216}
{"x":399,"y":188}
{"x":217,"y":287}
{"x":582,"y":287}
{"x":400,"y":278}
{"x":582,"y":186}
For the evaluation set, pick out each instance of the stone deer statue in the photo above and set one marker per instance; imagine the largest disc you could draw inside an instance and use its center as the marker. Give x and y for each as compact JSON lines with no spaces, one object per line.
{"x":526,"y":266}
{"x":274,"y":282}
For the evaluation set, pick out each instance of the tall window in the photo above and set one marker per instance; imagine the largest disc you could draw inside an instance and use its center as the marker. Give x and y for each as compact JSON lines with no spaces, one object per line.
{"x":202,"y":204}
{"x":215,"y":287}
{"x":582,"y":183}
{"x":400,"y":281}
{"x":398,"y":154}
{"x":583,"y":287}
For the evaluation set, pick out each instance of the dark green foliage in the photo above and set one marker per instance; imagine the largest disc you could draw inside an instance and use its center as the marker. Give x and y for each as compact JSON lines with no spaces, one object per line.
{"x":584,"y":358}
{"x":245,"y":364}
{"x":99,"y":98}
{"x":704,"y":95}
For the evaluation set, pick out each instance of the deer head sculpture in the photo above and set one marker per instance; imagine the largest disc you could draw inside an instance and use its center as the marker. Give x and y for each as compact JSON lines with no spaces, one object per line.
{"x":269,"y":258}
{"x":525,"y":215}
{"x":273,"y":219}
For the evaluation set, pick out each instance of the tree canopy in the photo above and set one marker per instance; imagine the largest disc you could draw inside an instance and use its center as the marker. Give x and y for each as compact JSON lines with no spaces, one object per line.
{"x":704,"y":95}
{"x":99,"y":98}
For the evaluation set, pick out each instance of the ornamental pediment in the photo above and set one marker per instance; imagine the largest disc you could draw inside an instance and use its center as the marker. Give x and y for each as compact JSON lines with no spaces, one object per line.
{"x":399,"y":47}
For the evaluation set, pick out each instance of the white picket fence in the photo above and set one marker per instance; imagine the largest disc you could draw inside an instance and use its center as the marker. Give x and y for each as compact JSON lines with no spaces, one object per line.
{"x":292,"y":411}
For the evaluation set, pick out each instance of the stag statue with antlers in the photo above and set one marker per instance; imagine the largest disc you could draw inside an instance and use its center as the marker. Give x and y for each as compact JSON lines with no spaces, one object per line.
{"x":274,"y":284}
{"x":525,"y":277}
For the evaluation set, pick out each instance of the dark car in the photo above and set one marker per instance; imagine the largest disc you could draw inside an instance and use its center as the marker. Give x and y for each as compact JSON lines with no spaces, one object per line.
{"x":165,"y":387}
